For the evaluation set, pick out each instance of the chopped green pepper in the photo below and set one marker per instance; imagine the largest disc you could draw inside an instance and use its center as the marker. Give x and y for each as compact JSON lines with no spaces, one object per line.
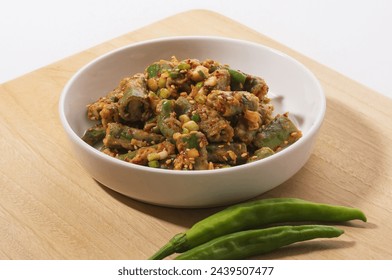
{"x":237,"y":76}
{"x":153,"y":70}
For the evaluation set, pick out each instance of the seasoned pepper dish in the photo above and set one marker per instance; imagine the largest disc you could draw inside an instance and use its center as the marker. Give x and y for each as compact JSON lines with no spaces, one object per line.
{"x":189,"y":115}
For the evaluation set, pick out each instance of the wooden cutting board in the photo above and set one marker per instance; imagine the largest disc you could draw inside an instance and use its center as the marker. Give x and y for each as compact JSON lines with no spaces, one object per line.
{"x":50,"y":208}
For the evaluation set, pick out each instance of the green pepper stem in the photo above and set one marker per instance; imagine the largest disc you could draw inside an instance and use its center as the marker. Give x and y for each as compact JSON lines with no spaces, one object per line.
{"x":163,"y":252}
{"x":175,"y":245}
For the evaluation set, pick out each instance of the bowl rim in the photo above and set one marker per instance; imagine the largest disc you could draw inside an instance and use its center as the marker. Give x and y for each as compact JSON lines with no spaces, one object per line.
{"x":76,"y":138}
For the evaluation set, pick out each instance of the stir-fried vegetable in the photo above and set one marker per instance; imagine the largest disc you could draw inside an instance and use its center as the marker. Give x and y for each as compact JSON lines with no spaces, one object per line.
{"x":212,"y":116}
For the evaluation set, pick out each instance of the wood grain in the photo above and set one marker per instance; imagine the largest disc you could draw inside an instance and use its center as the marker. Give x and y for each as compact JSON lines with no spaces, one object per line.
{"x":50,"y":208}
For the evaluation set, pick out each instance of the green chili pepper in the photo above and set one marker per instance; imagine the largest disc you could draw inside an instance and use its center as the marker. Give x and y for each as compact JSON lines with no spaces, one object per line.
{"x":231,"y":153}
{"x":255,"y":214}
{"x":120,"y":136}
{"x":231,"y":103}
{"x":140,"y":156}
{"x":191,"y":140}
{"x":237,"y":76}
{"x":153,"y":70}
{"x":153,"y":163}
{"x":167,"y":107}
{"x":174,"y":74}
{"x":279,"y":133}
{"x":94,"y":134}
{"x":201,"y":73}
{"x":168,"y":124}
{"x":261,"y":153}
{"x":199,"y":84}
{"x":134,"y":105}
{"x":244,"y":244}
{"x":195,"y":117}
{"x":127,"y":156}
{"x":182,"y":106}
{"x":197,"y":141}
{"x":184,"y":66}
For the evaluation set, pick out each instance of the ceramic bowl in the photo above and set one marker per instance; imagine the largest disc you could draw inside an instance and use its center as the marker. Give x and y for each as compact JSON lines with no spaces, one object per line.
{"x":293,"y":89}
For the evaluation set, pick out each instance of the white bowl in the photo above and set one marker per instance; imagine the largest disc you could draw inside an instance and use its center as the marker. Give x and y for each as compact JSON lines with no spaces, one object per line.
{"x":293,"y":88}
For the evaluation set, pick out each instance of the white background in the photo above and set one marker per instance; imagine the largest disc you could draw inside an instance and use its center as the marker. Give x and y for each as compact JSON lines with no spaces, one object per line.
{"x":282,"y":270}
{"x":351,"y":37}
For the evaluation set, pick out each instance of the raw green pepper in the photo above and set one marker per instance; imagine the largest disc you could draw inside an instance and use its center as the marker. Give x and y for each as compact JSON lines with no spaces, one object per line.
{"x":245,"y":244}
{"x":255,"y":214}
